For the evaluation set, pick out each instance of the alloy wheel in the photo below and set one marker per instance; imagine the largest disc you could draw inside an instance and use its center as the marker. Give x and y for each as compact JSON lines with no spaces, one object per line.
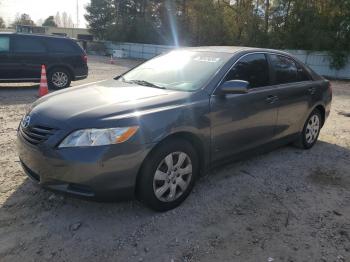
{"x":60,"y":79}
{"x":172,"y":177}
{"x":312,"y":129}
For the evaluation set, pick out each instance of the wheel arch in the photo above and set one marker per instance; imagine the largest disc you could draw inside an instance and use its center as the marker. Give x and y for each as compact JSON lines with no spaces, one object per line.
{"x":322,"y":110}
{"x":70,"y":70}
{"x":192,"y":138}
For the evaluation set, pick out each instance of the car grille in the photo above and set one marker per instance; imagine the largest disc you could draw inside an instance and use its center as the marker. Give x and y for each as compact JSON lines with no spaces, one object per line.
{"x":36,"y":134}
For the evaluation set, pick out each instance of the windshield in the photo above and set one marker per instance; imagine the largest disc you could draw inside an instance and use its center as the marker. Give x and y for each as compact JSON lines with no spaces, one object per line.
{"x":179,"y":70}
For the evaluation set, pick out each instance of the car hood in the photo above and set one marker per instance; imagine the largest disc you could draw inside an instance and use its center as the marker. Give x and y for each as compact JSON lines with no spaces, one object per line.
{"x":106,"y":100}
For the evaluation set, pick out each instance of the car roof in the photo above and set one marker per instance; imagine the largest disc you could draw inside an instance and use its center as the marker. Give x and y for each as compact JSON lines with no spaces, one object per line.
{"x":232,"y":49}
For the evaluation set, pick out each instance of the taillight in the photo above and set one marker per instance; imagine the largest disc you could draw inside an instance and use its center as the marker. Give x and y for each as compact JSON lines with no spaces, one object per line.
{"x":84,"y":57}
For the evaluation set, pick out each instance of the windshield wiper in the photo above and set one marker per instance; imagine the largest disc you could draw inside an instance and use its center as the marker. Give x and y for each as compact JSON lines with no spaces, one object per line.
{"x":144,"y":83}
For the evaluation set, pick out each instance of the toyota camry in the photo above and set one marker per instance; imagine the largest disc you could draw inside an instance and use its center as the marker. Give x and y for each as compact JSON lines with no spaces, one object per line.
{"x":151,"y":132}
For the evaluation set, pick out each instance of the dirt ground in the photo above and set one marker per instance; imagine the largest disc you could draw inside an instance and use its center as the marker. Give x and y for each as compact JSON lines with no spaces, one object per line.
{"x":286,"y":205}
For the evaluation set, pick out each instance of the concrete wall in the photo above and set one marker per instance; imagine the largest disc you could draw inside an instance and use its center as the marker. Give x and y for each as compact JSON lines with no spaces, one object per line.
{"x":318,"y":61}
{"x":139,"y":51}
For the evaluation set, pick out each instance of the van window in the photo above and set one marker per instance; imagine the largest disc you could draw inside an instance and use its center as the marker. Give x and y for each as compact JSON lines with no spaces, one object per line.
{"x":58,"y":45}
{"x":24,"y":44}
{"x":4,"y":44}
{"x":252,"y":68}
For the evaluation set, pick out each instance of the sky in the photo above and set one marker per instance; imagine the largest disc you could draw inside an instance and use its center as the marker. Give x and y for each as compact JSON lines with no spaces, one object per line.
{"x":41,"y":9}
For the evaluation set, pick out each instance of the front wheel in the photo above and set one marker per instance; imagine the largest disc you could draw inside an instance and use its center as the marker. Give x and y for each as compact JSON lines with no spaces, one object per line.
{"x":168,"y":175}
{"x":311,"y":131}
{"x":59,"y":78}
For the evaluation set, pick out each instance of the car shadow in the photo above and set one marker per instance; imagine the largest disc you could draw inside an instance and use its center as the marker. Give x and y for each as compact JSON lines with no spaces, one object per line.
{"x":14,"y":95}
{"x":17,"y":86}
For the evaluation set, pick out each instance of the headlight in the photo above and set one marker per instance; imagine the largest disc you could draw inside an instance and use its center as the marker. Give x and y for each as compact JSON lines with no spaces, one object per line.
{"x":98,"y":137}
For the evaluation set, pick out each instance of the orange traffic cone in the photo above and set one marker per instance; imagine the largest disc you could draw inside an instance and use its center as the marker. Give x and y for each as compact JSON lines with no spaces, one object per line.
{"x":43,"y":89}
{"x":111,"y":61}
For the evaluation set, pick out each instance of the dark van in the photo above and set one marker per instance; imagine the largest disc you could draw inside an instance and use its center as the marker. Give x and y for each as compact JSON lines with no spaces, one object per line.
{"x":21,"y":57}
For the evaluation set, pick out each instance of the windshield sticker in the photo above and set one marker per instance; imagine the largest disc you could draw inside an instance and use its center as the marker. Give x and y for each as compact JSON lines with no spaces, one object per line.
{"x":207,"y":59}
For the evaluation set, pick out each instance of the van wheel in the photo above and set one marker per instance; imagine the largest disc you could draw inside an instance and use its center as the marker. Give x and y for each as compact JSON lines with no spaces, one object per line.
{"x":59,"y":78}
{"x":168,"y":175}
{"x":312,"y":127}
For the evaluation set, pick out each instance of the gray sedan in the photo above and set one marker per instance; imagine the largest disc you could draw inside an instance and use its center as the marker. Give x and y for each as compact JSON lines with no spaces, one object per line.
{"x":152,"y":131}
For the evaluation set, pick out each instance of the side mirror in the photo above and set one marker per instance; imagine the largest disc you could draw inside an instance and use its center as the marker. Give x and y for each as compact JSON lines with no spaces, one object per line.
{"x":234,"y":87}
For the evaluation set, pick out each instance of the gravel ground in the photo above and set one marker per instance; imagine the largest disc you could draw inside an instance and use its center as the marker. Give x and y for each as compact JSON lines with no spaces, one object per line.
{"x":286,"y":205}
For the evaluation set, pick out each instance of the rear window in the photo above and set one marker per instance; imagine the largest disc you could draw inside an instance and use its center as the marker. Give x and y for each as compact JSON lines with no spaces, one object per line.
{"x":24,"y":44}
{"x":285,"y":69}
{"x":4,"y":43}
{"x":57,"y":45}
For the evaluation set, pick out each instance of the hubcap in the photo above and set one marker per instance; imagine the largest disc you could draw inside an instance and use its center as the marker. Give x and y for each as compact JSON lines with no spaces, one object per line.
{"x":172,"y":176}
{"x":59,"y":79}
{"x":312,"y":129}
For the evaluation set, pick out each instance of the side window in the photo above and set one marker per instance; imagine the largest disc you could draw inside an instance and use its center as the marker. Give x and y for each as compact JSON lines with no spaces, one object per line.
{"x":303,"y":75}
{"x":252,"y":68}
{"x":285,"y":69}
{"x":28,"y":45}
{"x":4,"y":44}
{"x":57,"y":45}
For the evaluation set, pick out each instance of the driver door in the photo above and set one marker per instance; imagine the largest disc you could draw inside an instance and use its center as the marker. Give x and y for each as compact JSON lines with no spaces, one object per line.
{"x":243,"y":121}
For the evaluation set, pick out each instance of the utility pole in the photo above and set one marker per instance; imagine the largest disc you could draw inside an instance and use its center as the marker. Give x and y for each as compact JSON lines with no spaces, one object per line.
{"x":77,"y":13}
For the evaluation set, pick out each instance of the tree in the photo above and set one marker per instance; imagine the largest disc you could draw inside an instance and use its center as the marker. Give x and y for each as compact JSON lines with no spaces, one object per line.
{"x":39,"y":22}
{"x":23,"y":19}
{"x":284,"y":24}
{"x":50,"y":21}
{"x":101,"y":16}
{"x":70,"y":22}
{"x":2,"y":23}
{"x":58,"y":20}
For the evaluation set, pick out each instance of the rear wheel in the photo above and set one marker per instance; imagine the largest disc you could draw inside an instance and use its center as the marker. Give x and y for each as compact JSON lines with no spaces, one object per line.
{"x":311,"y":131}
{"x":168,"y":175}
{"x":59,"y":78}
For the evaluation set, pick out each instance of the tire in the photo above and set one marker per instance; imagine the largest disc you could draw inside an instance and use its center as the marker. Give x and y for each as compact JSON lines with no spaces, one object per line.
{"x":59,"y":78}
{"x":158,"y":178}
{"x":311,"y":130}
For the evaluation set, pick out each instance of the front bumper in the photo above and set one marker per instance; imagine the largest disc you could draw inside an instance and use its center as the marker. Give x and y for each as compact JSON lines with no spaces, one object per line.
{"x":105,"y":172}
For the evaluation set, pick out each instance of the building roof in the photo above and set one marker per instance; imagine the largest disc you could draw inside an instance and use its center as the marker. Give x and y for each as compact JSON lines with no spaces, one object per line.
{"x":32,"y":34}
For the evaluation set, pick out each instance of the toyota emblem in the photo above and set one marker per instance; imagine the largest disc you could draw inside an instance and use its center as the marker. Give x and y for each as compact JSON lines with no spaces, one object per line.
{"x":25,"y":122}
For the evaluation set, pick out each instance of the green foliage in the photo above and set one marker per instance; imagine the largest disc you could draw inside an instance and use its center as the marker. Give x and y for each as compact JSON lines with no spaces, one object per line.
{"x":50,"y":21}
{"x":322,"y":25}
{"x":338,"y":59}
{"x":101,"y":17}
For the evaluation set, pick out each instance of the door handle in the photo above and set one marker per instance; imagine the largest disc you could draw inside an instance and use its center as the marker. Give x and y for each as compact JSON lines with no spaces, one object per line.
{"x":271,"y":99}
{"x":312,"y":90}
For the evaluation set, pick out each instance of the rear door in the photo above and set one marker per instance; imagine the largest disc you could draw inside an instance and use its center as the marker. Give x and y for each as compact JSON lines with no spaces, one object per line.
{"x":31,"y":53}
{"x":243,"y":121}
{"x":8,"y":66}
{"x":295,"y":90}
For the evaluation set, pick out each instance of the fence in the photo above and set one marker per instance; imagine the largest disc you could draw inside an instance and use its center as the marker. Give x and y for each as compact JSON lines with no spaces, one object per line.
{"x":318,"y":61}
{"x":139,"y":51}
